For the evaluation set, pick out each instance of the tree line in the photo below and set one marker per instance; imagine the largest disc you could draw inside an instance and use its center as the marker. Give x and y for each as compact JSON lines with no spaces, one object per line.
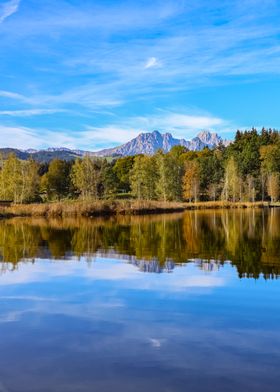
{"x":246,"y":170}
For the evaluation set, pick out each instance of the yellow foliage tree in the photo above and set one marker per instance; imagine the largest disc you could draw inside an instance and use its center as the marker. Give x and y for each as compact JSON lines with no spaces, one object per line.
{"x":191,"y":181}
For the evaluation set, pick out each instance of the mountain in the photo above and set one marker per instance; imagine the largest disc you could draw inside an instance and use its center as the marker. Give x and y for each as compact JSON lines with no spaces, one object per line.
{"x":5,"y":152}
{"x":41,"y":155}
{"x":145,"y":143}
{"x":53,"y":153}
{"x":149,"y":143}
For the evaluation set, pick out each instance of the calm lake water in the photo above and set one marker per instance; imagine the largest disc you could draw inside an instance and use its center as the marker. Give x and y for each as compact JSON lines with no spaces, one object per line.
{"x":184,"y":302}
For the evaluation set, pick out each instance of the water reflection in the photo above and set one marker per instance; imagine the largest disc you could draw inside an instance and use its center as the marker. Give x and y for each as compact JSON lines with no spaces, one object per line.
{"x":81,"y":310}
{"x":249,"y":239}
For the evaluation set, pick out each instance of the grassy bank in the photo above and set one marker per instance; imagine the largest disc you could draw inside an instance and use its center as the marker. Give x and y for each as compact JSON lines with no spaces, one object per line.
{"x":228,"y":205}
{"x":117,"y":207}
{"x":90,"y":208}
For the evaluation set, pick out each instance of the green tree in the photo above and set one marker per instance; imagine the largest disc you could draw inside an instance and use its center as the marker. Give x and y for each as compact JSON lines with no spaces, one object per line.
{"x":108,"y":180}
{"x":170,"y":172}
{"x":86,"y":175}
{"x":232,"y":184}
{"x":122,"y":170}
{"x":56,"y":182}
{"x":143,"y":178}
{"x":211,"y":173}
{"x":19,"y":180}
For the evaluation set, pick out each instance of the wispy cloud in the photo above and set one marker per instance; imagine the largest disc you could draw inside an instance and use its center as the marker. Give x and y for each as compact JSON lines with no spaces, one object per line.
{"x":109,"y":135}
{"x":231,"y":42}
{"x":24,"y":138}
{"x":152,"y":62}
{"x":12,"y":95}
{"x":179,"y":124}
{"x":130,"y":58}
{"x":29,"y":112}
{"x":8,"y":8}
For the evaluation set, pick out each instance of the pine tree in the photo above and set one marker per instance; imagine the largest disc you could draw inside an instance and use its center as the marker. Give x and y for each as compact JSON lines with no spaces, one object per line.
{"x":108,"y":180}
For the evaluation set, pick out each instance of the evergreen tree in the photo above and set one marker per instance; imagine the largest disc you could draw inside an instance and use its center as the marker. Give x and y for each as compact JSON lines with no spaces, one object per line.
{"x":108,"y":180}
{"x":122,"y":170}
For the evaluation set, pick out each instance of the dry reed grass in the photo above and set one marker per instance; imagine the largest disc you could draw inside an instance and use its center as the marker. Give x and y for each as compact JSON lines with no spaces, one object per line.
{"x":89,"y":208}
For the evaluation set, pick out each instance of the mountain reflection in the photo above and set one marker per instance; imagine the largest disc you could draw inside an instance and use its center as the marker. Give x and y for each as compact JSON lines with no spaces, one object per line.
{"x":249,"y":239}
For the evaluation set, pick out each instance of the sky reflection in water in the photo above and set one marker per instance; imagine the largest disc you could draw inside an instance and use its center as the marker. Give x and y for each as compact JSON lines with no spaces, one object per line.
{"x":96,"y":322}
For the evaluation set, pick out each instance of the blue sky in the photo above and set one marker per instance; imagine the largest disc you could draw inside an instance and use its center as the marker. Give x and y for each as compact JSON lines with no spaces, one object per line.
{"x":94,"y":73}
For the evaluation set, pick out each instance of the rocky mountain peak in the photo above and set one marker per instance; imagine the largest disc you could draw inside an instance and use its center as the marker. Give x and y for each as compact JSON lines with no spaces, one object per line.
{"x":149,"y":143}
{"x":211,"y":138}
{"x":145,"y":143}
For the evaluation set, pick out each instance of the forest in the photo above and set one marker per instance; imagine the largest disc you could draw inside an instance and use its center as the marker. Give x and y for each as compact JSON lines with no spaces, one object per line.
{"x":248,"y":170}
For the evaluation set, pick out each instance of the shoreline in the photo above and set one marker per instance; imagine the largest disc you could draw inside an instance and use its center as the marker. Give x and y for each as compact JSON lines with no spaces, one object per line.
{"x":78,"y":208}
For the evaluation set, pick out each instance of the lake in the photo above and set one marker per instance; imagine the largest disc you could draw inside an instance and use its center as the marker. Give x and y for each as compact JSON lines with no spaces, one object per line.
{"x":169,"y":303}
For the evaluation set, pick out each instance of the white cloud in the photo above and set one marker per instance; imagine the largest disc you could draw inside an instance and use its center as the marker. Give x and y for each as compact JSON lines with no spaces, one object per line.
{"x":187,"y":278}
{"x":152,"y":62}
{"x":180,"y":125}
{"x":110,"y":135}
{"x":12,"y":95}
{"x":7,"y":9}
{"x":24,"y":138}
{"x":29,"y":112}
{"x":156,"y":343}
{"x":178,"y":122}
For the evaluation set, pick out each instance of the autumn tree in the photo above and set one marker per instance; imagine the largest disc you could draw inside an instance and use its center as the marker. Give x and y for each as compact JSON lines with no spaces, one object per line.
{"x":19,"y":180}
{"x":232,"y":184}
{"x":250,"y":188}
{"x":9,"y":179}
{"x":270,"y":165}
{"x":273,"y":188}
{"x":29,"y":181}
{"x":191,"y":181}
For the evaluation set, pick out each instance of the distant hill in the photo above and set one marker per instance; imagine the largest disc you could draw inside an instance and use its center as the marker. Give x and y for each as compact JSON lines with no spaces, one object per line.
{"x":53,"y":153}
{"x":41,"y":155}
{"x":5,"y":152}
{"x":145,"y":143}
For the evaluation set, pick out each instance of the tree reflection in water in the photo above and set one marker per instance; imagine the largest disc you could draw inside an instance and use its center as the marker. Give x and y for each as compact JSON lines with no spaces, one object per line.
{"x":249,"y":239}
